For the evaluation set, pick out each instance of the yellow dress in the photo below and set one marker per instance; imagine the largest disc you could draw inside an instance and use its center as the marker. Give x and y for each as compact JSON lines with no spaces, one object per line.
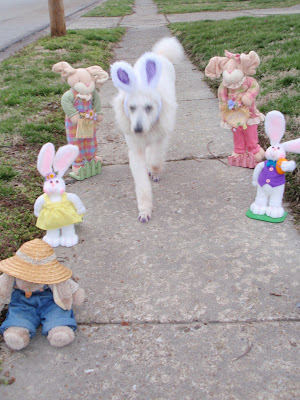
{"x":55,"y":215}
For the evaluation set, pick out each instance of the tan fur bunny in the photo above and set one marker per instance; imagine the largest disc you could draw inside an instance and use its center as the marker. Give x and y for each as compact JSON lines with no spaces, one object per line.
{"x":237,"y":94}
{"x":38,"y":290}
{"x":81,"y":104}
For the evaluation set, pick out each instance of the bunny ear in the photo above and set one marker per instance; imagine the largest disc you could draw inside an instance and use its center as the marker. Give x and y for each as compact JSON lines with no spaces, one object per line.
{"x":99,"y":74}
{"x":293,"y":146}
{"x":45,"y":159}
{"x":64,"y":157}
{"x":123,"y":76}
{"x":275,"y":126}
{"x":149,"y":67}
{"x":64,"y":69}
{"x":249,"y":62}
{"x":215,"y":67}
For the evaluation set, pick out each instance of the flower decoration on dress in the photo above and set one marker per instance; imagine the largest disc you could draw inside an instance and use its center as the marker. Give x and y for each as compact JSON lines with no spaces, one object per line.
{"x":91,"y":114}
{"x":231,"y":104}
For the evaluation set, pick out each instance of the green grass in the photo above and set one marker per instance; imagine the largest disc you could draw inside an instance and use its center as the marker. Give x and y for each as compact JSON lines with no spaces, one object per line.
{"x":186,"y":6}
{"x":276,"y":40}
{"x":112,"y":8}
{"x":31,"y":115}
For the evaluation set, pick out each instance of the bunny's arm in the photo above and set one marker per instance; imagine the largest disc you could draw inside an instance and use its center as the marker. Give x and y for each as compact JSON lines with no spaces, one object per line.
{"x":97,"y":102}
{"x":67,"y":293}
{"x":77,"y":292}
{"x":251,"y":92}
{"x":38,"y":205}
{"x":67,"y":103}
{"x":222,"y":95}
{"x":256,"y":173}
{"x":288,"y":166}
{"x":73,"y":198}
{"x":6,"y":287}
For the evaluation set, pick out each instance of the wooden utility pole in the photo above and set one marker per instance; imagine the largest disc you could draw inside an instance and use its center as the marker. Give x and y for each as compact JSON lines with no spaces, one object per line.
{"x":57,"y":17}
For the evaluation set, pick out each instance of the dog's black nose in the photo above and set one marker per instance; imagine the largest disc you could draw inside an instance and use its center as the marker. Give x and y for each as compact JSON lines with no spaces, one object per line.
{"x":138,"y":128}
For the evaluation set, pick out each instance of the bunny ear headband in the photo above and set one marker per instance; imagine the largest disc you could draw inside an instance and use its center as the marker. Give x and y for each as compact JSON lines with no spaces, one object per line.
{"x":60,"y":161}
{"x":145,"y":76}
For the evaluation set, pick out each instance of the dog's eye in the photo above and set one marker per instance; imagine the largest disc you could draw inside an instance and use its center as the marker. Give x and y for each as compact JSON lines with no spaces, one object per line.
{"x":132,"y":108}
{"x":148,"y":109}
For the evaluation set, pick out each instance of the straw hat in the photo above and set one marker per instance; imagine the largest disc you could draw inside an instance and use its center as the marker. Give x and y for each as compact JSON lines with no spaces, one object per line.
{"x":36,"y":262}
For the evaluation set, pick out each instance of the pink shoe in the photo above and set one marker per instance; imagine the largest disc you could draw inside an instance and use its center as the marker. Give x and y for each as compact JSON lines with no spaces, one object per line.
{"x":244,"y":161}
{"x":235,"y":161}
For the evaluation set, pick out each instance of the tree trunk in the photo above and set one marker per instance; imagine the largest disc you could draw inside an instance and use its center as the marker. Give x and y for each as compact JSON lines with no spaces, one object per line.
{"x":57,"y":17}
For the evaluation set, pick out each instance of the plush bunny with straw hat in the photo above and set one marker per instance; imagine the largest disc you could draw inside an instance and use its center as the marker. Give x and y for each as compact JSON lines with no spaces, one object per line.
{"x":38,"y":289}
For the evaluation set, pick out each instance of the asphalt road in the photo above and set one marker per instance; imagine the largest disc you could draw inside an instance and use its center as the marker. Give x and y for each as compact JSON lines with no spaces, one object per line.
{"x":20,"y":18}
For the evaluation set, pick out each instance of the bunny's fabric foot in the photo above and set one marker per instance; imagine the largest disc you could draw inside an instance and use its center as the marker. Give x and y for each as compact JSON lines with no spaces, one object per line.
{"x":68,"y":236}
{"x":274,"y":212}
{"x":52,"y":238}
{"x":16,"y":337}
{"x":258,"y":209}
{"x":242,"y":160}
{"x":75,"y":169}
{"x":60,"y":336}
{"x":258,"y":157}
{"x":97,"y":158}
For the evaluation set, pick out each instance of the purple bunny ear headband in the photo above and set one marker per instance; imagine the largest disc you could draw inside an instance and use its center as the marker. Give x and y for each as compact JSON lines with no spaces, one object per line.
{"x":125,"y":78}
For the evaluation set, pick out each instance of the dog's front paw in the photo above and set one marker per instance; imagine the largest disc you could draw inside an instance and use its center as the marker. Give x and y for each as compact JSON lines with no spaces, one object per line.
{"x":155,"y":176}
{"x":144,"y":216}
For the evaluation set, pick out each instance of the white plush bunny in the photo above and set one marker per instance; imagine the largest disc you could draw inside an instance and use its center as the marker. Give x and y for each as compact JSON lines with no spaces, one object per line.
{"x":269,"y":176}
{"x":57,"y":211}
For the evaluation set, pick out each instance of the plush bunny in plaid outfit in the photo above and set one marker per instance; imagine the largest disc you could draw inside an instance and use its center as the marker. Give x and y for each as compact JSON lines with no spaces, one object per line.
{"x":82,"y":101}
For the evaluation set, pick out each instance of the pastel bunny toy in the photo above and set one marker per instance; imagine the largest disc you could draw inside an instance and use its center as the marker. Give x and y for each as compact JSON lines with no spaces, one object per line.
{"x":57,"y":211}
{"x":38,"y":290}
{"x":237,"y":94}
{"x":82,"y":106}
{"x":269,"y":176}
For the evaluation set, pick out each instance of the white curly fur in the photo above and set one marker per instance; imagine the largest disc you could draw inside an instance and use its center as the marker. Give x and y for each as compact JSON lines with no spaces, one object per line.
{"x":145,"y":110}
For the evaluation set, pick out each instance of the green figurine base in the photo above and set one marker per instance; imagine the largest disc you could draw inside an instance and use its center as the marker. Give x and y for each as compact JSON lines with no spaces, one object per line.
{"x":265,"y":217}
{"x":91,"y":168}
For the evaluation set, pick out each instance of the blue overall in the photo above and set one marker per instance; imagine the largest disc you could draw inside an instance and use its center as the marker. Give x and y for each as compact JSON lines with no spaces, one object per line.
{"x":39,"y":308}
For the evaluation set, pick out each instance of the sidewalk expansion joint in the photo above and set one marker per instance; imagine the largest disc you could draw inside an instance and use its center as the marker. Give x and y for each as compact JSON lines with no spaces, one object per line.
{"x":120,"y":21}
{"x":195,"y":321}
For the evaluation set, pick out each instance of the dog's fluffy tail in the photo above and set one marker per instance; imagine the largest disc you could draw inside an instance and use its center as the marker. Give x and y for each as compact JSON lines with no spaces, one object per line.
{"x":170,"y":48}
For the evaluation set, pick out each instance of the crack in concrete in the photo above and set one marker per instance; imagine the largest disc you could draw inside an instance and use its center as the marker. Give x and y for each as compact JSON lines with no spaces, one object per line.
{"x":194,"y":321}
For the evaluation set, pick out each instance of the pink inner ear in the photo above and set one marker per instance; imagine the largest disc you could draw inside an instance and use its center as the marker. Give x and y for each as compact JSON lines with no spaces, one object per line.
{"x":45,"y":159}
{"x":275,"y":126}
{"x":64,"y":162}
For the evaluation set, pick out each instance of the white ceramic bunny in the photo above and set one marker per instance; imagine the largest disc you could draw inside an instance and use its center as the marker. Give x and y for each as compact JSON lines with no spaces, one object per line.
{"x":269,"y":176}
{"x":57,"y":211}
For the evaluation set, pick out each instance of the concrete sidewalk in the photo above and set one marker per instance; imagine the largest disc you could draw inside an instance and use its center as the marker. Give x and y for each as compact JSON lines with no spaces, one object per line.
{"x":199,"y":303}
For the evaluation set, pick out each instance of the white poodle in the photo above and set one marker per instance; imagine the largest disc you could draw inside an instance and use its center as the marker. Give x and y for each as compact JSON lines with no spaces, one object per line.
{"x":145,"y":110}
